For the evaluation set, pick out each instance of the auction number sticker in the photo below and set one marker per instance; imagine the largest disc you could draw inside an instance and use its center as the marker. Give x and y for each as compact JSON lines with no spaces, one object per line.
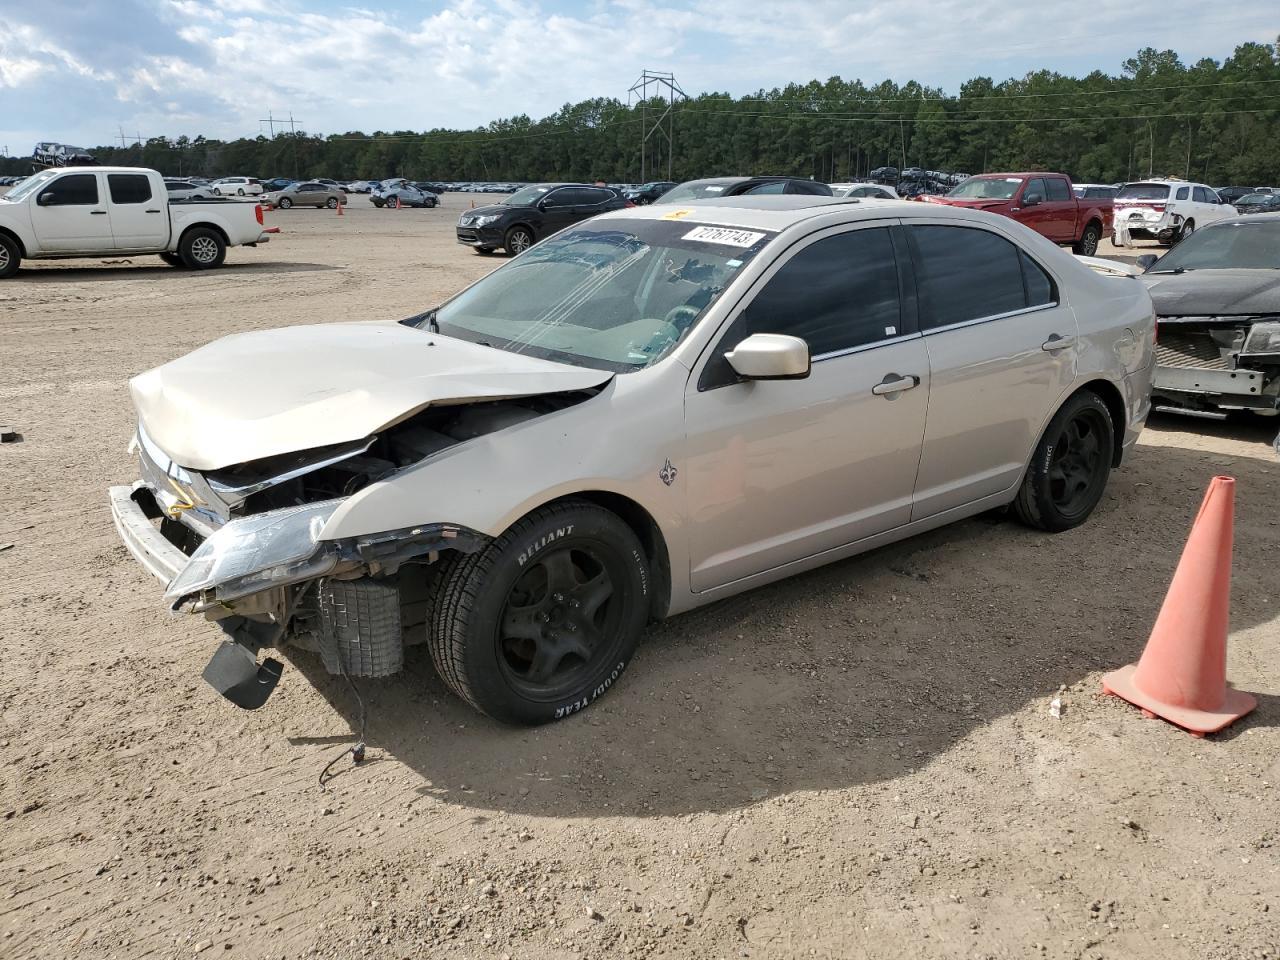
{"x":724,"y":236}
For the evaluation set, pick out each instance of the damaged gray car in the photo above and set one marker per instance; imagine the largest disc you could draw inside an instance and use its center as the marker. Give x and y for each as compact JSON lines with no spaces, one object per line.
{"x":647,"y":412}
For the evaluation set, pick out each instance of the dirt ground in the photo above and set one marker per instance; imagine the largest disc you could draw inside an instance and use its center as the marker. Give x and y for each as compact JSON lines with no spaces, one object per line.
{"x":859,"y":762}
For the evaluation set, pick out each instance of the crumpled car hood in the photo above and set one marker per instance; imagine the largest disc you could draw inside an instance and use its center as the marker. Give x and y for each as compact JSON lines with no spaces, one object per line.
{"x":1207,"y":293}
{"x":259,"y":394}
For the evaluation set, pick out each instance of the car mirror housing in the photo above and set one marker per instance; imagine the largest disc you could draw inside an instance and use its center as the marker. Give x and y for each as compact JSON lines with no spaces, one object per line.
{"x":1146,"y":261}
{"x":770,"y":356}
{"x":1032,"y":199}
{"x":45,"y":198}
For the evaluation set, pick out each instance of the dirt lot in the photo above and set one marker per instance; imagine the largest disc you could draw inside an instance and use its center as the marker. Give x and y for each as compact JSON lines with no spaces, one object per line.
{"x":859,"y":762}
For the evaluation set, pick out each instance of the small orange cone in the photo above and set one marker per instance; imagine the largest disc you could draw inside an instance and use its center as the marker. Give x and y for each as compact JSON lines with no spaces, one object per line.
{"x":1182,"y":675}
{"x":397,"y":201}
{"x":340,"y":206}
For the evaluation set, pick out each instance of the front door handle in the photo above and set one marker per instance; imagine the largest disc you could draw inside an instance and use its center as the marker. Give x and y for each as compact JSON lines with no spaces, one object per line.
{"x":1056,"y":343}
{"x":98,"y":213}
{"x":892,"y":385}
{"x":153,"y":211}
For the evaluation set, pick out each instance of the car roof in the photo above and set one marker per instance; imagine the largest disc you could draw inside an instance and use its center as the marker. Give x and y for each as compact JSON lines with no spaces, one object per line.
{"x":779,"y":211}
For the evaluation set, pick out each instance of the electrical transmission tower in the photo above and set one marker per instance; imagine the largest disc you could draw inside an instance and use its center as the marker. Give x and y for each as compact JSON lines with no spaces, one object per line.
{"x":654,"y":85}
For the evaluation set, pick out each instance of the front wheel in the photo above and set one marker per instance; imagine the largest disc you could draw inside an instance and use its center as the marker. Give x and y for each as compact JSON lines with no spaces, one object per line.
{"x":543,"y":620}
{"x":10,"y":257}
{"x":518,"y":240}
{"x":1087,"y":245}
{"x":1070,"y":467}
{"x":1187,"y":230}
{"x":240,"y":192}
{"x":202,"y":248}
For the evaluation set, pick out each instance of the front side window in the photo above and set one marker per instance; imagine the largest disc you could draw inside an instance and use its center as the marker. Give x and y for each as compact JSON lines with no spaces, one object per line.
{"x":1035,"y":187}
{"x":837,"y":293}
{"x":965,"y":274}
{"x":1202,"y":195}
{"x":610,"y":295}
{"x":1057,"y":189}
{"x":78,"y":189}
{"x":129,"y":187}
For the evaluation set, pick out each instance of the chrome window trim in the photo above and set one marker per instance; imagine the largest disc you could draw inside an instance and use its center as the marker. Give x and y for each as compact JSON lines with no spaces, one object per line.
{"x":861,"y":348}
{"x":994,"y":316}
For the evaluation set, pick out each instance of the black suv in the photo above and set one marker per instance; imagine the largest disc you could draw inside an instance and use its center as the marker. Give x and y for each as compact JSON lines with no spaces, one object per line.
{"x":692,"y":191}
{"x":532,"y":213}
{"x":647,"y":192}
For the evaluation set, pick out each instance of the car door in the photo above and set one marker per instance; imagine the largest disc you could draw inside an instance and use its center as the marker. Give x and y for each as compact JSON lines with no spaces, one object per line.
{"x":1002,"y":351}
{"x":71,"y":215}
{"x":593,"y":201}
{"x":559,"y":209}
{"x":1059,"y":211}
{"x":1036,"y":216}
{"x":1208,"y":207}
{"x":139,"y":221}
{"x":782,"y":470}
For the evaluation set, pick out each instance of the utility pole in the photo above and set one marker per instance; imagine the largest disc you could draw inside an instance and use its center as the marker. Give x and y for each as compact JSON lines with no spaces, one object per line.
{"x":271,"y":125}
{"x":663,"y":86}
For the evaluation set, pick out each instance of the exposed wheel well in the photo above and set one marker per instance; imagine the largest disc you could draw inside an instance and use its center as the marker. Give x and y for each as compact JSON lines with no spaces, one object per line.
{"x":16,"y":239}
{"x":646,"y":529}
{"x":1108,"y":394}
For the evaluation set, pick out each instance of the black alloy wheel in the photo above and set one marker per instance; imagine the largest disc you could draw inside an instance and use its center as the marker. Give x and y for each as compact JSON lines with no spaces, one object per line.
{"x":1069,"y":470}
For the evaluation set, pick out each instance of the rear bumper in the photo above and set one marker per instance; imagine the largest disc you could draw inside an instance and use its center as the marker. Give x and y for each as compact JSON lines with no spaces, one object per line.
{"x":157,"y":555}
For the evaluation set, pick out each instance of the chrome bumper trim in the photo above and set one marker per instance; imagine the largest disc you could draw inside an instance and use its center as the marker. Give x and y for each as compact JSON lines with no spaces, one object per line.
{"x":160,"y":557}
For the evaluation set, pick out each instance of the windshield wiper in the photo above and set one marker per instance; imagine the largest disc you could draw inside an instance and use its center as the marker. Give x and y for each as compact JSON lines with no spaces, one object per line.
{"x":1175,"y":270}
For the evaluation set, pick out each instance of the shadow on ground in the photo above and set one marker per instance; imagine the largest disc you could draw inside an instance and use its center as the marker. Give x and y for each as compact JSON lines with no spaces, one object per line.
{"x":859,"y":672}
{"x":129,"y":268}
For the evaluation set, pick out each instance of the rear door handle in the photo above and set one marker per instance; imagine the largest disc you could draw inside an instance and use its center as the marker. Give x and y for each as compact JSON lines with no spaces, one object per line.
{"x":1056,"y":343}
{"x":893,"y":384}
{"x":153,"y":211}
{"x":98,"y":213}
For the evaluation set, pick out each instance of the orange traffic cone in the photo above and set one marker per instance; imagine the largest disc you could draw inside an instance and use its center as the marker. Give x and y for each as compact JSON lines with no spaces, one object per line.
{"x":1182,"y":675}
{"x":397,"y":201}
{"x":340,"y":206}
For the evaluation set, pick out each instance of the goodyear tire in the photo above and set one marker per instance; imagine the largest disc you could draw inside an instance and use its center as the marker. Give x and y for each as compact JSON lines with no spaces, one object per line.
{"x":10,"y":257}
{"x":1069,"y":470}
{"x":544,"y":619}
{"x":202,"y":248}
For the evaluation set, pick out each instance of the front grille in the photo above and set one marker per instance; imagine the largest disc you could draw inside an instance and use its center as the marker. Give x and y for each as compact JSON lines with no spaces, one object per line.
{"x":1177,"y":348}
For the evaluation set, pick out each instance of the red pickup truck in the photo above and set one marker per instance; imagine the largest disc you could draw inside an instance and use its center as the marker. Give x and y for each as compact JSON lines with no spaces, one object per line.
{"x":1043,"y":201}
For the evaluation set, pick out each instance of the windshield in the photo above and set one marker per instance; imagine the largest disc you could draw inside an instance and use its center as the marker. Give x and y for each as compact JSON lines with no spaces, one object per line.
{"x":696,"y":190}
{"x":615,"y":295}
{"x":30,"y":185}
{"x":984,"y":188}
{"x":1144,"y":191}
{"x":1248,"y":245}
{"x":528,"y":196}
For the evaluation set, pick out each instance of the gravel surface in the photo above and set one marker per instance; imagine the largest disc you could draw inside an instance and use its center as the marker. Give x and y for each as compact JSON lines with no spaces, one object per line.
{"x":858,"y":762}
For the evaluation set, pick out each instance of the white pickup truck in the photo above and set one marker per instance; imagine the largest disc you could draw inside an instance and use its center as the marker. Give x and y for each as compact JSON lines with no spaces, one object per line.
{"x":91,"y":211}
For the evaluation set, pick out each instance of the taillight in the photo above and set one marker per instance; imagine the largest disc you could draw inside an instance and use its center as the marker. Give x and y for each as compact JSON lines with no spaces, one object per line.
{"x":257,"y":210}
{"x":1158,"y":207}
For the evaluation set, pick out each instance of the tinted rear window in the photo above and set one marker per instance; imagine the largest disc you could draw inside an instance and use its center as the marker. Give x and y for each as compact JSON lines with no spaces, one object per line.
{"x":965,"y":274}
{"x":129,"y":187}
{"x":1144,"y":191}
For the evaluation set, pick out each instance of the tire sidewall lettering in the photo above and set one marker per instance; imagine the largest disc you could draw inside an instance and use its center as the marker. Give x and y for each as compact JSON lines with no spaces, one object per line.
{"x":569,"y":709}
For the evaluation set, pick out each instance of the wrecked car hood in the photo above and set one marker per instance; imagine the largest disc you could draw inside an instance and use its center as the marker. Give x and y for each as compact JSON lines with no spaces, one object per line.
{"x":259,"y":394}
{"x":1207,"y":293}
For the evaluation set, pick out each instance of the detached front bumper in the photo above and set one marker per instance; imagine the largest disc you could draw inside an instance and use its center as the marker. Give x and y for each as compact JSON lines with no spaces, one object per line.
{"x":157,"y":555}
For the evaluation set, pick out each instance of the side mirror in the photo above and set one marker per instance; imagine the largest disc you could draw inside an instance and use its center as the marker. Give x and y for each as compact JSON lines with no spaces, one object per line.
{"x":1032,"y":199}
{"x":770,"y":356}
{"x":45,"y":198}
{"x":1146,"y":261}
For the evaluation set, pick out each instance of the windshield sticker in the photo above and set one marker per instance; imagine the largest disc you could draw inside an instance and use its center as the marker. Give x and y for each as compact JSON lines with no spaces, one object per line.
{"x":724,"y":236}
{"x":733,"y":263}
{"x":676,"y":214}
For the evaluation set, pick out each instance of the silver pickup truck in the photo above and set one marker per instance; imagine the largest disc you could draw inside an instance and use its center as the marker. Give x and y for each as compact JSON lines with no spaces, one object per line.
{"x":72,"y":212}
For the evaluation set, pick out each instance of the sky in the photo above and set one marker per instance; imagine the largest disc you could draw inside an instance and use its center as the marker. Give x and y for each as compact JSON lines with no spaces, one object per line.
{"x":82,"y":71}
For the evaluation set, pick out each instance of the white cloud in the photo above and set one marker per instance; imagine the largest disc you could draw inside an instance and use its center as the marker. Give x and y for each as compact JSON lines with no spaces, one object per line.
{"x":216,"y":66}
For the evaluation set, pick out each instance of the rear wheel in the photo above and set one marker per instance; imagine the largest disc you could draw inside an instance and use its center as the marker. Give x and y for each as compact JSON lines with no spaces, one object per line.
{"x":202,"y":248}
{"x":240,"y":192}
{"x":285,"y":203}
{"x":331,"y":203}
{"x":1087,"y":245}
{"x":1069,"y":470}
{"x":544,"y":619}
{"x":518,"y":240}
